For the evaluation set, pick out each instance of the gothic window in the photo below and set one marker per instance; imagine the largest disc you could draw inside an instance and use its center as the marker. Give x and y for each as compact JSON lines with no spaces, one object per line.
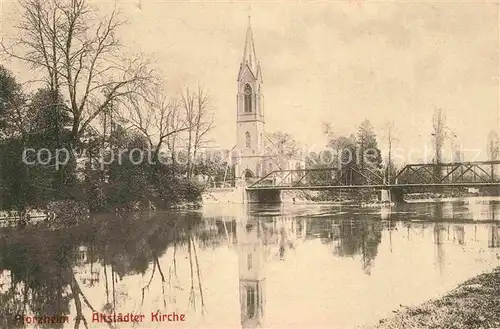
{"x":248,"y":98}
{"x":249,"y":261}
{"x":248,"y":140}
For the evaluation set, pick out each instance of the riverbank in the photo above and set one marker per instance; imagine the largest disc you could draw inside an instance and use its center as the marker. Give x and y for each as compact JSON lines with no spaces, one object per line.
{"x":75,"y":212}
{"x":454,"y":199}
{"x":473,"y":304}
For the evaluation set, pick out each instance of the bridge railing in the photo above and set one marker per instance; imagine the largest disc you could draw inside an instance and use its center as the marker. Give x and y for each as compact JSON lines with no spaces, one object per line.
{"x":319,"y":177}
{"x":449,"y":173}
{"x":453,"y":174}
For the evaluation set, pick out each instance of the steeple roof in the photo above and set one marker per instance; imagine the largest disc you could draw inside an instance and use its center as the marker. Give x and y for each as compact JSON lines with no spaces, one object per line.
{"x":249,"y":55}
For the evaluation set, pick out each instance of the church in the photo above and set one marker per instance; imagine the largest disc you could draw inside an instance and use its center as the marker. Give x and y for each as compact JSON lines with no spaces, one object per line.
{"x":251,"y":158}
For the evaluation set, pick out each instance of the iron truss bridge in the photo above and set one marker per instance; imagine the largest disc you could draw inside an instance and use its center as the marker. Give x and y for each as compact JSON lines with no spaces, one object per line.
{"x":430,"y":175}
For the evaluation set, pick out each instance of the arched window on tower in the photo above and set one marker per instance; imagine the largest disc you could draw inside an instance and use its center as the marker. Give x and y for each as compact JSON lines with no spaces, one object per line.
{"x":248,"y":98}
{"x":248,"y":140}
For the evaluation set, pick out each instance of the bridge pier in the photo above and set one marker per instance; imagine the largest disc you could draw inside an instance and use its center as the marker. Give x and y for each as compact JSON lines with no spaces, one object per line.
{"x":397,"y":195}
{"x":263,"y":196}
{"x":394,"y":194}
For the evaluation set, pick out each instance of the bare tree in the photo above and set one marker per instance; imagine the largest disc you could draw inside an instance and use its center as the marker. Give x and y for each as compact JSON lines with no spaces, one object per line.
{"x":199,"y":120}
{"x":493,"y":149}
{"x":204,"y":121}
{"x":328,"y":130}
{"x":188,"y":101}
{"x":175,"y":123}
{"x":493,"y":145}
{"x":439,"y":133}
{"x":391,"y":140}
{"x":155,"y":117}
{"x":79,"y":56}
{"x":456,"y":153}
{"x":279,"y":146}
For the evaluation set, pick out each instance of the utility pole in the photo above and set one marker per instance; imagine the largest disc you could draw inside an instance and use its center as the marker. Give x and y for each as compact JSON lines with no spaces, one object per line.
{"x":390,"y":141}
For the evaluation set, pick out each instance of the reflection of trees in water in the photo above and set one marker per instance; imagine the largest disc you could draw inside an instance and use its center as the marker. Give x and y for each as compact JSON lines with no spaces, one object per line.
{"x":216,"y":231}
{"x":42,"y":278}
{"x":354,"y":237}
{"x":439,"y":230}
{"x":437,"y":211}
{"x":494,"y":236}
{"x":494,"y":209}
{"x":188,"y":230}
{"x":44,"y":264}
{"x":468,"y":208}
{"x":192,"y":295}
{"x":459,"y":234}
{"x":390,"y":226}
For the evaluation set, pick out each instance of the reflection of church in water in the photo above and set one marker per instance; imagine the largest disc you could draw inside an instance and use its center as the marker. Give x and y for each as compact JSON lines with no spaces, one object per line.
{"x":260,"y":241}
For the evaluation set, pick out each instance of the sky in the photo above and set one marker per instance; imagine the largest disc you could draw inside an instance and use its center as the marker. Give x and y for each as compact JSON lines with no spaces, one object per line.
{"x":333,"y":62}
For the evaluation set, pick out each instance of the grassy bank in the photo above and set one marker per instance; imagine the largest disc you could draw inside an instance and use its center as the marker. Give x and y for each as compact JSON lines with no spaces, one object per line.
{"x":473,"y":304}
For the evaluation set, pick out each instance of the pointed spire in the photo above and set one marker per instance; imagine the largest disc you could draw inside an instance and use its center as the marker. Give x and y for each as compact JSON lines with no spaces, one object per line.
{"x":249,"y":56}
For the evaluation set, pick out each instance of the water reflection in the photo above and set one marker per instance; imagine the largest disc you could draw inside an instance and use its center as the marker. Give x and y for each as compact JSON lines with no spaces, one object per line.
{"x":326,"y":265}
{"x":467,"y":209}
{"x":253,"y":251}
{"x":494,"y":236}
{"x":44,"y":271}
{"x":262,"y":240}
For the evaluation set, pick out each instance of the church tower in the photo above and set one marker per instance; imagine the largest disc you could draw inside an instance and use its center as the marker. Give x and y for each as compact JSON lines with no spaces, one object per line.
{"x":250,"y":112}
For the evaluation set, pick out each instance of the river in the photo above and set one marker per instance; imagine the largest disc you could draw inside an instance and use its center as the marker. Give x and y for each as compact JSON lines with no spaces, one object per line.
{"x":286,"y":266}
